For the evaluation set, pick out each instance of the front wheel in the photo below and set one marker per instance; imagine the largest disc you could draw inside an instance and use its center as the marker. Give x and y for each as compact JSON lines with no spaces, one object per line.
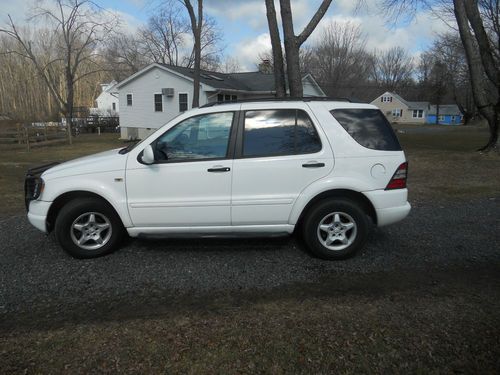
{"x":335,"y":229}
{"x":88,"y":228}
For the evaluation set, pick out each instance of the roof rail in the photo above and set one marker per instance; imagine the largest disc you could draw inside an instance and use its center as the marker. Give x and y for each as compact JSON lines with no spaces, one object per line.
{"x":286,"y":99}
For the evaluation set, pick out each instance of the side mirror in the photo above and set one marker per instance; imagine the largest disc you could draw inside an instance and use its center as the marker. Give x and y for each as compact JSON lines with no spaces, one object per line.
{"x":148,"y":156}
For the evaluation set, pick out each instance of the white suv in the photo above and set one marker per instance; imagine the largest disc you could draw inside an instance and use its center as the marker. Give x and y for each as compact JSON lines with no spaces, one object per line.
{"x":325,"y":168}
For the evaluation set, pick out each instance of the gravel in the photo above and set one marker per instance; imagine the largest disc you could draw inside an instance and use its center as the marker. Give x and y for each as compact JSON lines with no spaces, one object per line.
{"x":36,"y":274}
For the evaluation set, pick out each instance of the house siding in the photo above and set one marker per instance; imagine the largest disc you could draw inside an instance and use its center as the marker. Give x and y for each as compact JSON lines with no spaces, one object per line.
{"x":141,"y":114}
{"x":388,"y":107}
{"x":447,"y":120}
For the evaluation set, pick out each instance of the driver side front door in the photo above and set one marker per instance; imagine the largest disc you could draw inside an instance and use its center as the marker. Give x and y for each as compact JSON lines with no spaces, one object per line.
{"x":190,"y":182}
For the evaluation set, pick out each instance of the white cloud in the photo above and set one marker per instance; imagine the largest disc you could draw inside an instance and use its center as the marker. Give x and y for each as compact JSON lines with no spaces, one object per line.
{"x":247,"y":52}
{"x":380,"y":35}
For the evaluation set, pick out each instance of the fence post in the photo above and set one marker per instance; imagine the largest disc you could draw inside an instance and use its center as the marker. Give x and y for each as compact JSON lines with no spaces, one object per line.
{"x":98,"y":130}
{"x":19,"y":134}
{"x":27,"y":133}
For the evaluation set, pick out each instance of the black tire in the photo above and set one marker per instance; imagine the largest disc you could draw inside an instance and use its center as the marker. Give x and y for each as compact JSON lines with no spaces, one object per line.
{"x":348,"y":211}
{"x":104,"y":215}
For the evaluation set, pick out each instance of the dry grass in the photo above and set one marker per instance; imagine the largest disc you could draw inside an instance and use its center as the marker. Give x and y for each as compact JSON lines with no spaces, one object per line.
{"x":434,"y":329}
{"x":447,"y":327}
{"x":444,"y":164}
{"x":15,"y":160}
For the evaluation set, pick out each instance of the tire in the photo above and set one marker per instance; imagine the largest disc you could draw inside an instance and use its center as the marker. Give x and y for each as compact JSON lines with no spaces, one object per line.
{"x":335,"y":229}
{"x":88,"y":228}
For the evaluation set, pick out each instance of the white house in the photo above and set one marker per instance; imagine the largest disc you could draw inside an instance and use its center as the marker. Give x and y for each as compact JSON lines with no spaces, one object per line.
{"x":156,"y":94}
{"x":107,"y":103}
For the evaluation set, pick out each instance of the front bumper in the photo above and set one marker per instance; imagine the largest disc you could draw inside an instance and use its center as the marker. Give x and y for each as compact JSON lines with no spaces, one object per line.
{"x":37,"y":214}
{"x":390,"y":206}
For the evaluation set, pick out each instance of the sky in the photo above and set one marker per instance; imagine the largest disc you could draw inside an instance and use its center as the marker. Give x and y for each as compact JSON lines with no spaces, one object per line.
{"x":244,"y":24}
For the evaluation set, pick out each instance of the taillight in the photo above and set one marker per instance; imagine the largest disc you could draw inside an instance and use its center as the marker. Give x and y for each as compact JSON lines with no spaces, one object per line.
{"x":398,"y":180}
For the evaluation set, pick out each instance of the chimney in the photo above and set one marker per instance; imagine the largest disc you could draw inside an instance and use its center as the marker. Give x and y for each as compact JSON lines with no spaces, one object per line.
{"x":266,"y":67}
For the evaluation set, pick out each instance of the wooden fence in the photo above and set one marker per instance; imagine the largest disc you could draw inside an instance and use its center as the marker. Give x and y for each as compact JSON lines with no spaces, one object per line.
{"x":37,"y":134}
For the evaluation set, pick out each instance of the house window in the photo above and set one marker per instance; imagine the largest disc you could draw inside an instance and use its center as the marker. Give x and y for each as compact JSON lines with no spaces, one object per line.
{"x":418,"y":113}
{"x":397,"y":112}
{"x":386,"y":99}
{"x":158,"y":103}
{"x":129,"y":100}
{"x":113,"y":105}
{"x":183,"y":102}
{"x":226,"y":98}
{"x":453,"y":119}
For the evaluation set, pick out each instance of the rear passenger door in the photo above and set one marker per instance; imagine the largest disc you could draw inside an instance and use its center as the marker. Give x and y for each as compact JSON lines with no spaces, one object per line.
{"x":280,"y":151}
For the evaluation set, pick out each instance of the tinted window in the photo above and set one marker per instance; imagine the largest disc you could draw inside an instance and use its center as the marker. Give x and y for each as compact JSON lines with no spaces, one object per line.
{"x":279,"y":132}
{"x":368,"y":127}
{"x":199,"y":137}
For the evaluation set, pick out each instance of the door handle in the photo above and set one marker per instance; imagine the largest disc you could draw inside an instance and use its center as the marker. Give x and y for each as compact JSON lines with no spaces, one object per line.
{"x":313,"y":165}
{"x":219,"y":169}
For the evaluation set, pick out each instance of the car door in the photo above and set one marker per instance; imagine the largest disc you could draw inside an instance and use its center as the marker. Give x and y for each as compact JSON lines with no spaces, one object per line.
{"x":280,"y":152}
{"x":190,"y":182}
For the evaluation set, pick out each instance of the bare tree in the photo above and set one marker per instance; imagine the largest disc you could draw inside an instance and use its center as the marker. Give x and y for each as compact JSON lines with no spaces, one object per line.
{"x":339,"y":58}
{"x":479,"y":30}
{"x":277,"y":52}
{"x":124,"y":55}
{"x":164,"y":35}
{"x":196,"y":27}
{"x":292,"y":44}
{"x":393,"y":69}
{"x":78,"y":28}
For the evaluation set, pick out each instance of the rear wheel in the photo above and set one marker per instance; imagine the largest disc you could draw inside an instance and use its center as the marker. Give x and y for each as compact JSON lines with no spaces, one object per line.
{"x":88,"y":228}
{"x":335,"y":229}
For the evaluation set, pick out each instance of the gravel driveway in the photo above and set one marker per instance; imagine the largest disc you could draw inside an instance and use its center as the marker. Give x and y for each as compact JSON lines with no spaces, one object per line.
{"x":37,"y":276}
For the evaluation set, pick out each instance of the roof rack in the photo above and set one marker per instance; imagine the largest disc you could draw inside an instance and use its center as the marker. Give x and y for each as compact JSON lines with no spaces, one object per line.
{"x":287,"y":99}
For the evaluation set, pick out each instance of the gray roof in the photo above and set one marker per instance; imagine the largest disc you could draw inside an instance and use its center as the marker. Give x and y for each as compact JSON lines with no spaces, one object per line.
{"x":249,"y":81}
{"x":446,"y":109}
{"x":418,"y":105}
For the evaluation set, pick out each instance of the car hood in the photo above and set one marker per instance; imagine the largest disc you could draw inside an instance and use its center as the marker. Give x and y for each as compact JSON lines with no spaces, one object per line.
{"x":106,"y":161}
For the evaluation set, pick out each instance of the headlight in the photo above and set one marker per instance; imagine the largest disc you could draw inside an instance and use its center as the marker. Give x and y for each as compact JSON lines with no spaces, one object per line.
{"x":38,"y":187}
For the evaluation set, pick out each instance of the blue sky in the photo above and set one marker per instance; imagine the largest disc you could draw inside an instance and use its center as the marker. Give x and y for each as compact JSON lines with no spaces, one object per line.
{"x":244,"y":25}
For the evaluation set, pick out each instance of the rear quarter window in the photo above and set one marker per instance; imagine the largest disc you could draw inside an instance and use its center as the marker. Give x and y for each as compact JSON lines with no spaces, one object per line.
{"x":368,"y":127}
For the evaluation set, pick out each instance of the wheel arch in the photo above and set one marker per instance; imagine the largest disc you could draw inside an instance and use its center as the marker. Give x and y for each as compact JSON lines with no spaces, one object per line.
{"x":355,"y":196}
{"x":64,"y":198}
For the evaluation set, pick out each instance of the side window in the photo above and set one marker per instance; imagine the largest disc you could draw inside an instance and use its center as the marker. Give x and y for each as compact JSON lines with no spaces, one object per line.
{"x":129,"y":99}
{"x":368,"y":127}
{"x":279,"y":132}
{"x":199,"y":137}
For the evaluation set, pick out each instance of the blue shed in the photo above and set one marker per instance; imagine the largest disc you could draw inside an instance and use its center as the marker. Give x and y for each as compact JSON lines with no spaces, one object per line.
{"x":449,"y":114}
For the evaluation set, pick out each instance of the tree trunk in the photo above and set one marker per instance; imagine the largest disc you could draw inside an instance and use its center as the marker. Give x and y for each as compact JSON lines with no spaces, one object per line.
{"x":69,"y":104}
{"x":291,"y":51}
{"x":490,"y":111}
{"x":278,"y":66}
{"x":196,"y":26}
{"x":437,"y":113}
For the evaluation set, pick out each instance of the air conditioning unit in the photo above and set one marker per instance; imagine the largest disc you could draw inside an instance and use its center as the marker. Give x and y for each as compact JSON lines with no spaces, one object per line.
{"x":169,"y":92}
